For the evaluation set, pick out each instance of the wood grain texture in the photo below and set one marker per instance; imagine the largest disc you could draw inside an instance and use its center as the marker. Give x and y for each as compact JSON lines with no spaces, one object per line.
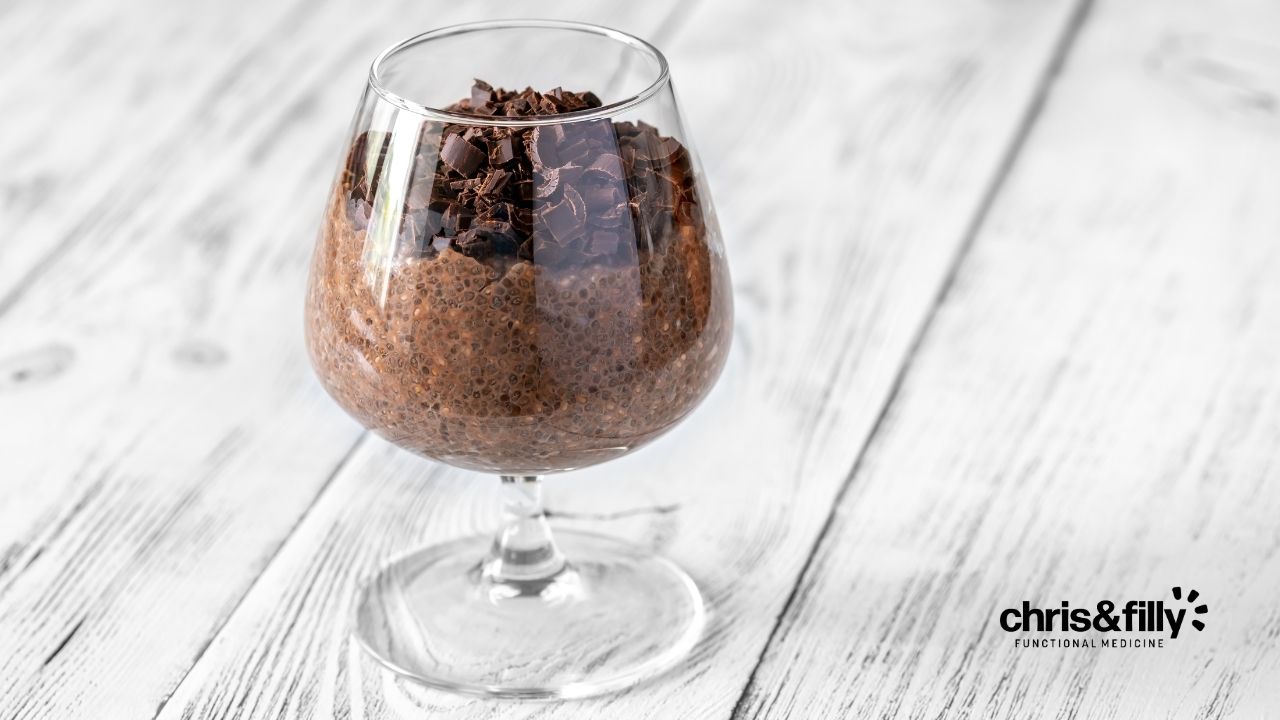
{"x":919,"y":102}
{"x":100,"y":97}
{"x":160,"y":431}
{"x":1094,"y":413}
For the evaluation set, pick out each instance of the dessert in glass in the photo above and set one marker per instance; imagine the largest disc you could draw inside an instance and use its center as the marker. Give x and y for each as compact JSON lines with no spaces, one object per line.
{"x":521,"y":275}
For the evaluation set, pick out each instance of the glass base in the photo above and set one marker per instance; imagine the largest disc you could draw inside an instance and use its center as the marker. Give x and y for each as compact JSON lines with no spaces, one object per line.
{"x":614,"y":616}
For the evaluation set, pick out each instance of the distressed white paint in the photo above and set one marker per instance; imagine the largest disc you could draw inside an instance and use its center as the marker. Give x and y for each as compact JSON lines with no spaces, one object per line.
{"x":1094,"y":414}
{"x":830,"y":296}
{"x":163,"y":442}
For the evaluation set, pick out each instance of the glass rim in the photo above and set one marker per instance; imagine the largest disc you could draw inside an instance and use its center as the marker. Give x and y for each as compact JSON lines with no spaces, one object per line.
{"x":443,"y":115}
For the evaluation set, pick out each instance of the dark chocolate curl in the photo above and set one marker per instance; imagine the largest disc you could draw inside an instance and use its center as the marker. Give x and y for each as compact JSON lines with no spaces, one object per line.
{"x":566,"y":219}
{"x":571,"y":174}
{"x":612,"y":217}
{"x":548,"y":183}
{"x":541,"y":145}
{"x":607,"y":166}
{"x":497,"y":211}
{"x":460,"y":155}
{"x":487,"y":238}
{"x":502,"y":151}
{"x":602,"y":197}
{"x":525,"y":191}
{"x":574,"y":150}
{"x":666,"y":150}
{"x":494,"y":182}
{"x":481,"y":94}
{"x":455,"y":218}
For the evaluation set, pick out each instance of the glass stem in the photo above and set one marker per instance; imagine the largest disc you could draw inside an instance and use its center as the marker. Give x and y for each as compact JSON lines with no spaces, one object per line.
{"x":523,"y":550}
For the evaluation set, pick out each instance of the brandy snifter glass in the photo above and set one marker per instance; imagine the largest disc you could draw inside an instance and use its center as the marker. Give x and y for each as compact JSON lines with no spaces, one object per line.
{"x":521,"y":275}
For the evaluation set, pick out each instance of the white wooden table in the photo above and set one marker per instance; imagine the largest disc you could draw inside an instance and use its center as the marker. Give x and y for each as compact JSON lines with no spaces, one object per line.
{"x":1021,"y":343}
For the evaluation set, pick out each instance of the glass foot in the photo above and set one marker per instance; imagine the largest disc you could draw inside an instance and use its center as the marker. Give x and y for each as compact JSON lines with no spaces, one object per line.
{"x":613,"y":616}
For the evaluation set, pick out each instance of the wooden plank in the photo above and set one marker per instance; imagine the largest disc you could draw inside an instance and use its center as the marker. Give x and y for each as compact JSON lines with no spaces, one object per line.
{"x":1093,"y":414}
{"x":880,"y":115}
{"x":160,"y":431}
{"x":99,"y":96}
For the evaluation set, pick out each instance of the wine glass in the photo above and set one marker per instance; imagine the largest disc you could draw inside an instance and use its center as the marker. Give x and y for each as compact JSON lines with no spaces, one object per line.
{"x":521,"y":274}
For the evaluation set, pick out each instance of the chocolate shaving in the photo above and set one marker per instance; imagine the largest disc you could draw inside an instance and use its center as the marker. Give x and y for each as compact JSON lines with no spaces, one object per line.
{"x":525,"y":191}
{"x":566,"y":219}
{"x":541,"y":145}
{"x":666,"y":150}
{"x":503,"y":211}
{"x":548,"y":183}
{"x":481,"y":96}
{"x":455,"y":218}
{"x":607,"y":165}
{"x":569,"y":192}
{"x":461,"y":156}
{"x":522,"y":218}
{"x":502,"y":151}
{"x":487,"y":238}
{"x":494,"y":182}
{"x":573,"y":151}
{"x":600,"y":198}
{"x":358,"y":212}
{"x":612,"y":217}
{"x":571,"y":174}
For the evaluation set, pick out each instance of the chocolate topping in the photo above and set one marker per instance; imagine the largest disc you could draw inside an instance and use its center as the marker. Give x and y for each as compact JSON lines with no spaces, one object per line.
{"x":486,"y":238}
{"x":548,"y":182}
{"x":601,"y":198}
{"x":494,"y":182}
{"x":564,"y":192}
{"x":541,"y":145}
{"x":566,"y":219}
{"x":607,"y":165}
{"x":460,"y":155}
{"x":481,"y":94}
{"x":502,"y":151}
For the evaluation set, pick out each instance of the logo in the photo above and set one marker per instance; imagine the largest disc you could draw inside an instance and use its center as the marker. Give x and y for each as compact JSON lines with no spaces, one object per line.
{"x":1149,"y":617}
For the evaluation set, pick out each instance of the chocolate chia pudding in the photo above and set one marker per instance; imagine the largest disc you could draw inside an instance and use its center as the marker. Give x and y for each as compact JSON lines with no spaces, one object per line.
{"x":519,"y":299}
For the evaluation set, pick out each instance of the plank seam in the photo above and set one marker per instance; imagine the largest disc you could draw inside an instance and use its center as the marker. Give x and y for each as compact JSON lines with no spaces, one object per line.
{"x":217,"y":630}
{"x":99,"y":206}
{"x":1030,"y":116}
